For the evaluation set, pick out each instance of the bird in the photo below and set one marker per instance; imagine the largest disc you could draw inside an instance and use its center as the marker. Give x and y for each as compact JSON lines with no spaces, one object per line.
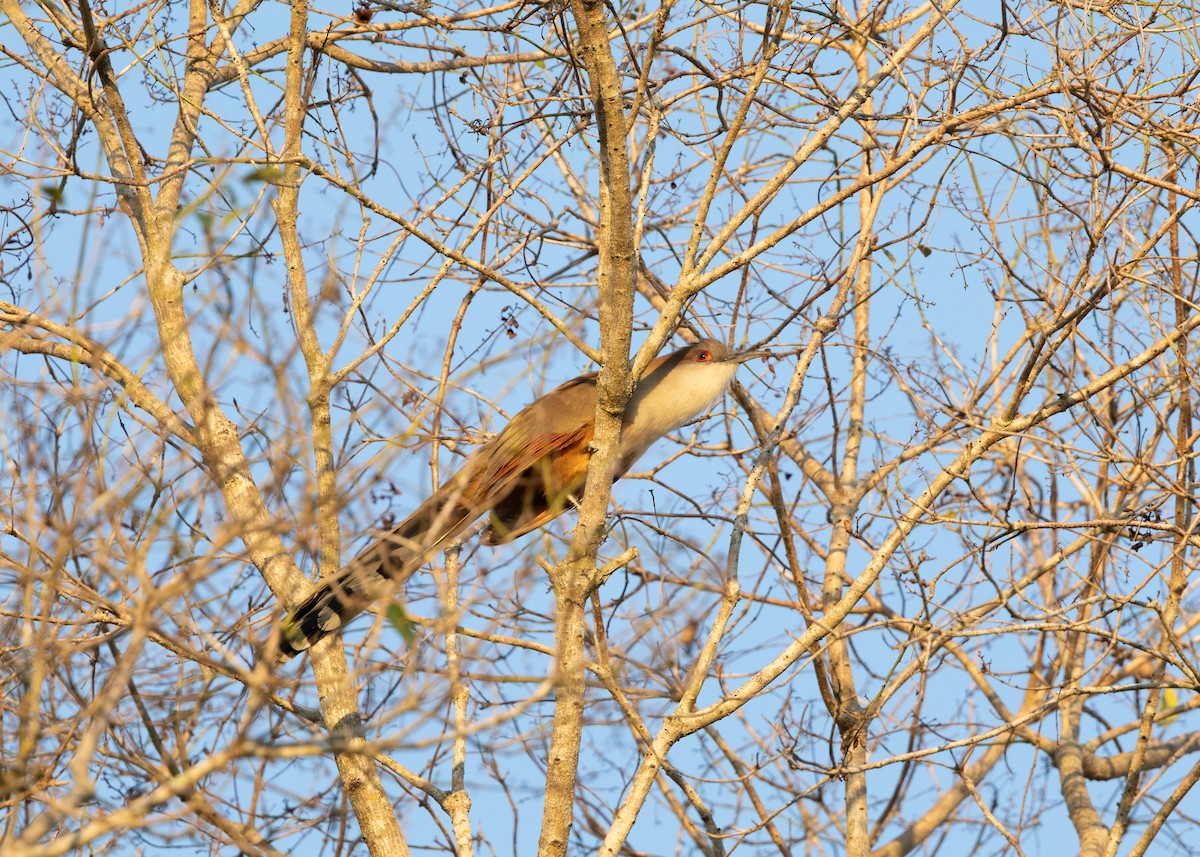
{"x":524,"y":477}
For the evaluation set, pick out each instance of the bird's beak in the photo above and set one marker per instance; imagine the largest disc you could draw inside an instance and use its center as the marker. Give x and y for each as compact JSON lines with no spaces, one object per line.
{"x":743,"y":356}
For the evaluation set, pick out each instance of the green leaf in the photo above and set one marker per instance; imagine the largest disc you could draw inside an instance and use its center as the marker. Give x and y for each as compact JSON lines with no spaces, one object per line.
{"x":399,"y":620}
{"x":264,"y":174}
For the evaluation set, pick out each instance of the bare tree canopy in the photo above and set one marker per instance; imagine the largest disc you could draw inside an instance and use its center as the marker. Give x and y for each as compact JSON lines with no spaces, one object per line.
{"x":269,"y":272}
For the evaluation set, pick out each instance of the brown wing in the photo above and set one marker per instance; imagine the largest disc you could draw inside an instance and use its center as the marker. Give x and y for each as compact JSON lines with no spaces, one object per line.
{"x":535,"y":466}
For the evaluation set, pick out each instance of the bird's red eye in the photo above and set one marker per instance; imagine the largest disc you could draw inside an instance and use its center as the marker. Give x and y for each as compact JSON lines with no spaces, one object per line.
{"x":703,"y":356}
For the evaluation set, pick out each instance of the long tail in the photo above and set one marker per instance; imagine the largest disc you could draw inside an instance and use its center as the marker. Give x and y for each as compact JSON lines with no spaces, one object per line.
{"x":379,"y":570}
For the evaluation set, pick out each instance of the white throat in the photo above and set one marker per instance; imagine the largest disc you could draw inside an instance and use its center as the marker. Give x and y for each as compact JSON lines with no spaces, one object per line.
{"x":666,"y":400}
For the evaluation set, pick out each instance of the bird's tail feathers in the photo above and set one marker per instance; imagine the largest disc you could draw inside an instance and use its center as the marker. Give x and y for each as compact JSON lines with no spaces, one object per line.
{"x":378,"y":571}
